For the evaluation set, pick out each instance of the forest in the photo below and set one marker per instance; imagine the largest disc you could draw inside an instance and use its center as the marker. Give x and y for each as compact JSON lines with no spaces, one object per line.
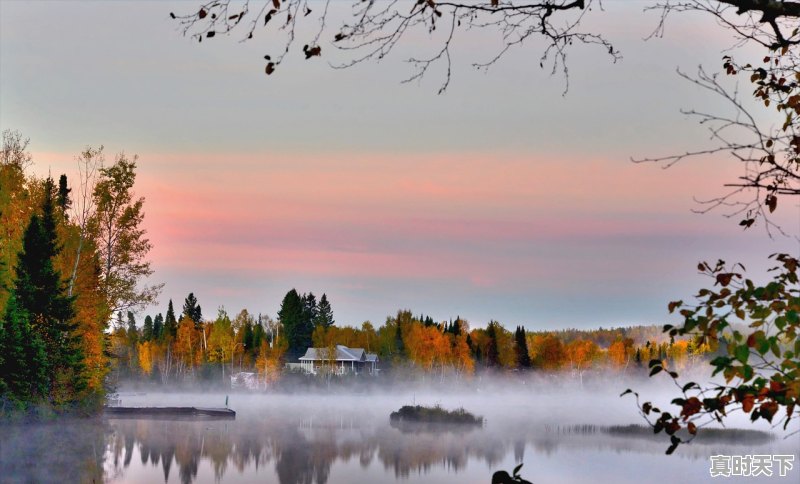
{"x":171,"y":350}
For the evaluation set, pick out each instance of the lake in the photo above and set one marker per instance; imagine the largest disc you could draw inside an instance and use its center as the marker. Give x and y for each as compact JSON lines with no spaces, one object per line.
{"x":561,"y":437}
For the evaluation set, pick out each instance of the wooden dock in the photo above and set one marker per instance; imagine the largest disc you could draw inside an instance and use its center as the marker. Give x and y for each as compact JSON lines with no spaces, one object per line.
{"x":170,"y":412}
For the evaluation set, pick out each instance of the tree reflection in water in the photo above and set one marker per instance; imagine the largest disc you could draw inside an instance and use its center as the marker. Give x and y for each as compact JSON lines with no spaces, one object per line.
{"x":299,"y":446}
{"x":303,"y":451}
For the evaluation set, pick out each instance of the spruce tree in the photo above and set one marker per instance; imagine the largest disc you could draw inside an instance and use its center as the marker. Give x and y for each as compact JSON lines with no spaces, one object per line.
{"x":133,"y":332}
{"x":42,"y":296}
{"x":23,"y":372}
{"x":158,"y":327}
{"x":259,"y":335}
{"x":521,"y":348}
{"x":193,"y":311}
{"x":456,"y":326}
{"x":492,"y":352}
{"x":170,"y":323}
{"x":398,"y":340}
{"x":63,"y":199}
{"x":324,"y":313}
{"x":291,"y":316}
{"x":310,"y":310}
{"x":147,"y":328}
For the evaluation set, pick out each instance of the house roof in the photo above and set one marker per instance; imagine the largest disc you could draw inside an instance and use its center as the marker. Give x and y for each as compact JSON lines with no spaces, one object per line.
{"x":343,"y":353}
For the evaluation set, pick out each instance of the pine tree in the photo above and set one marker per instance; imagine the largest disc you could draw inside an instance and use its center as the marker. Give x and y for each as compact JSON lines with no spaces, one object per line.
{"x":193,"y":311}
{"x":147,"y":329}
{"x":170,"y":323}
{"x":324,"y":313}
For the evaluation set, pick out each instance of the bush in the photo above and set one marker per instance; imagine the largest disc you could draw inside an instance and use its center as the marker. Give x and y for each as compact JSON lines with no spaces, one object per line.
{"x":435,"y":414}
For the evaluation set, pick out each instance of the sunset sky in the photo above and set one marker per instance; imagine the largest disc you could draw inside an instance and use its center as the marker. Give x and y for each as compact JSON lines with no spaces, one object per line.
{"x":501,"y":199}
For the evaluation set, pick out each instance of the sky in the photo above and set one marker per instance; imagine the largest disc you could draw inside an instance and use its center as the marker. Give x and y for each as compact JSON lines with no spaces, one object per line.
{"x":504,"y":198}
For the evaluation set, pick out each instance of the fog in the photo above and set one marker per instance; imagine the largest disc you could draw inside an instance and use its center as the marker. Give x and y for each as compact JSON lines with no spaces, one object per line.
{"x":562,"y":431}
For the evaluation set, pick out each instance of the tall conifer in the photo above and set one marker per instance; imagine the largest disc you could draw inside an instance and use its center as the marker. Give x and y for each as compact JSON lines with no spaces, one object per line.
{"x":41,"y":298}
{"x":170,"y":323}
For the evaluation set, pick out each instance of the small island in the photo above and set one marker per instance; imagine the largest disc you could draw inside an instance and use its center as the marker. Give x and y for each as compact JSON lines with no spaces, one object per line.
{"x":435,"y":414}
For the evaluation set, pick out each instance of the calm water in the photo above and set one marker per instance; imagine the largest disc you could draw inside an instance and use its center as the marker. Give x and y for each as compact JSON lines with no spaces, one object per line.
{"x":304,"y":439}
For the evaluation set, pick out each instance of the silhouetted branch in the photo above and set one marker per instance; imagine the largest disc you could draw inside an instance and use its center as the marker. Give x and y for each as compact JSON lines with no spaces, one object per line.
{"x":373,"y":29}
{"x":768,"y":154}
{"x":770,"y":23}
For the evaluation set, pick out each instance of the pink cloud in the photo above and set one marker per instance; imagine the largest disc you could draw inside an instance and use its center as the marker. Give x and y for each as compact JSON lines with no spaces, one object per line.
{"x":470,"y":217}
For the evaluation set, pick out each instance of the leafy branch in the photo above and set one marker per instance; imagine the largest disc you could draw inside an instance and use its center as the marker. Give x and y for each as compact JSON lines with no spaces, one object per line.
{"x":760,"y":365}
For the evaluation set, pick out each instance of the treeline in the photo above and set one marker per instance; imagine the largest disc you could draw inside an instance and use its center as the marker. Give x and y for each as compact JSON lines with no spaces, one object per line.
{"x":167,"y":349}
{"x":68,"y":259}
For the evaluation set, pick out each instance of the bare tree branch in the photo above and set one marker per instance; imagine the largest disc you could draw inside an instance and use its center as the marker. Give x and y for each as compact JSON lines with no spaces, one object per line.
{"x":373,"y":29}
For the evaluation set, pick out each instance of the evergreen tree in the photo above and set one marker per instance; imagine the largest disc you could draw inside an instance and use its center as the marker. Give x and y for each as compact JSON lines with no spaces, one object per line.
{"x":247,"y":336}
{"x":324,"y":313}
{"x":310,"y":310}
{"x":456,"y":327}
{"x":62,"y":198}
{"x":147,"y":329}
{"x":133,"y":332}
{"x":170,"y":323}
{"x":23,"y":372}
{"x":259,"y":336}
{"x":291,"y":316}
{"x":521,"y":348}
{"x":158,"y":327}
{"x":193,"y":311}
{"x":398,"y":339}
{"x":492,"y":352}
{"x":41,"y":295}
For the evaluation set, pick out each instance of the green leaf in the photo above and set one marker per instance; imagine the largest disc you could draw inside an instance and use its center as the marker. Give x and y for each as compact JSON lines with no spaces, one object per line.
{"x":741,"y":353}
{"x":776,"y":350}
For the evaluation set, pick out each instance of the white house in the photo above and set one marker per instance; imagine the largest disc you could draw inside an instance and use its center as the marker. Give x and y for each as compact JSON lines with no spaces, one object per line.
{"x":348,"y":360}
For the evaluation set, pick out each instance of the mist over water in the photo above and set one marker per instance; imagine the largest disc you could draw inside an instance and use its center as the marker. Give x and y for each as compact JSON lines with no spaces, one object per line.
{"x":563,"y":433}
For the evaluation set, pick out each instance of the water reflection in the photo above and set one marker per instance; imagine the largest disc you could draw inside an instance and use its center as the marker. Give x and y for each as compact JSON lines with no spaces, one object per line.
{"x":66,"y":451}
{"x":292,"y":444}
{"x":303,"y":451}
